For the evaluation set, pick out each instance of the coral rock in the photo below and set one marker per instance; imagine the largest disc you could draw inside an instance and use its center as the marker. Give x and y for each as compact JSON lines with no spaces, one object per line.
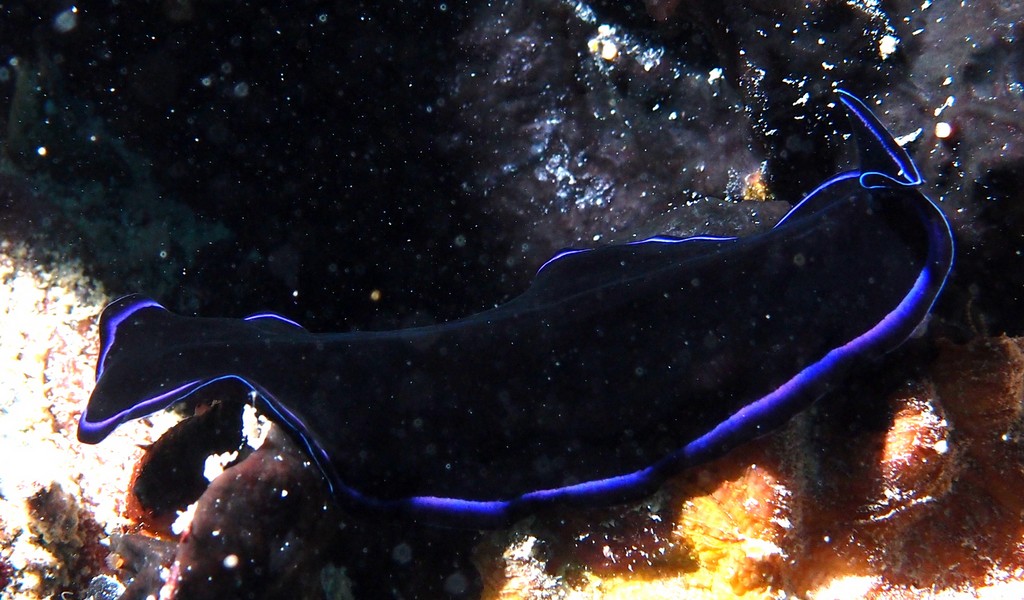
{"x":929,"y":500}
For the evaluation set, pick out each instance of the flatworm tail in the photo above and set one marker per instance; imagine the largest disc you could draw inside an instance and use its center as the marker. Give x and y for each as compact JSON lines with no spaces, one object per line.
{"x":874,"y":145}
{"x":125,"y":329}
{"x":878,"y":151}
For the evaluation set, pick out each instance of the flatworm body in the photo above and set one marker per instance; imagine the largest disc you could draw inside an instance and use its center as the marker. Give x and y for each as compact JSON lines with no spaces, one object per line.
{"x":617,"y":367}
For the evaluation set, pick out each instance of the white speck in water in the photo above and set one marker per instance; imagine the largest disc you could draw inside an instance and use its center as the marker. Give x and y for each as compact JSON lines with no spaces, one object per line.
{"x":402,"y":553}
{"x":903,"y":140}
{"x":887,"y":46}
{"x":950,"y":101}
{"x":66,"y":21}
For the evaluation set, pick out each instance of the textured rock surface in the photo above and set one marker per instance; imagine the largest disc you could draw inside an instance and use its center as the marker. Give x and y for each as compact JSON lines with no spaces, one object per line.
{"x":56,"y":496}
{"x":925,"y":501}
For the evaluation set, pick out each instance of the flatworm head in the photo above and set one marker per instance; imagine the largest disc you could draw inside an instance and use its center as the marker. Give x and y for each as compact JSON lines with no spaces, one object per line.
{"x":617,"y":367}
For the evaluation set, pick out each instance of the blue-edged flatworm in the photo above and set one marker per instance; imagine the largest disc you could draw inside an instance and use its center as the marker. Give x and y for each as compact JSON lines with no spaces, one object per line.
{"x":617,"y":366}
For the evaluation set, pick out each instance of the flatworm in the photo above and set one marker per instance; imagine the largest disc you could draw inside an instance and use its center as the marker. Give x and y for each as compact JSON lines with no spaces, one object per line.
{"x":617,"y":367}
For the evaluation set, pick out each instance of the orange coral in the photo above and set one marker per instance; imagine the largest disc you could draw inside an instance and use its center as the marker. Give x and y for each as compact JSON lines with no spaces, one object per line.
{"x":931,"y":501}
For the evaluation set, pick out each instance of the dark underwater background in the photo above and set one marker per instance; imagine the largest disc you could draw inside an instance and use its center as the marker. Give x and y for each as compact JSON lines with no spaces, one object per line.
{"x":376,"y":165}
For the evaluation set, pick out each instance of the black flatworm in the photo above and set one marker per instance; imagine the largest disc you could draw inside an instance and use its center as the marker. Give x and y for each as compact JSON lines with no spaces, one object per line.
{"x":617,"y":367}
